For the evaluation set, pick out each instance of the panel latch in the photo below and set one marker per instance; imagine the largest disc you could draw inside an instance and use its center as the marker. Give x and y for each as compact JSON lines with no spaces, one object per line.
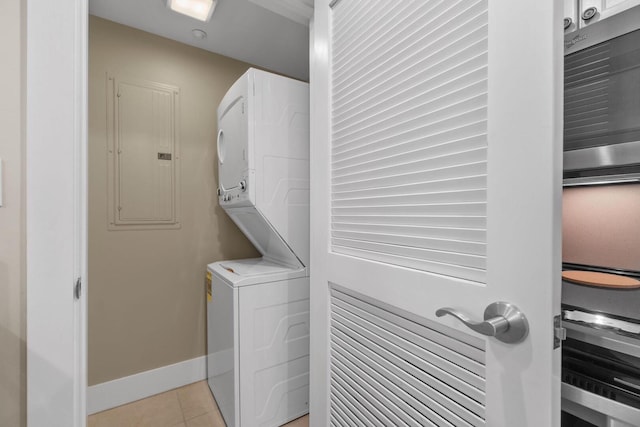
{"x":559,"y":333}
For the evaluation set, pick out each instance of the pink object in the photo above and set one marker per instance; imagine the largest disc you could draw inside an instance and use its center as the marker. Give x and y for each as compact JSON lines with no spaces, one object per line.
{"x":601,"y":226}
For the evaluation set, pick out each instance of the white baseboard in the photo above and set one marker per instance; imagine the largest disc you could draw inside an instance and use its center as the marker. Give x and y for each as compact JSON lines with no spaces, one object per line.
{"x":118,"y":392}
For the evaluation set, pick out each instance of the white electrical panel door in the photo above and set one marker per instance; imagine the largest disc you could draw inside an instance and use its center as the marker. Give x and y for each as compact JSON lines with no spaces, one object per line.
{"x":143,"y":153}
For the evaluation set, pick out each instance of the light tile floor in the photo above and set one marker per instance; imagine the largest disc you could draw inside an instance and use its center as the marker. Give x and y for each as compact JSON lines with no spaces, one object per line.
{"x":188,"y":406}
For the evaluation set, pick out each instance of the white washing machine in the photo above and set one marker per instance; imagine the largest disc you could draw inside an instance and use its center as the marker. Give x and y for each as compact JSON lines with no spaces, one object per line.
{"x":258,"y":309}
{"x":258,"y":342}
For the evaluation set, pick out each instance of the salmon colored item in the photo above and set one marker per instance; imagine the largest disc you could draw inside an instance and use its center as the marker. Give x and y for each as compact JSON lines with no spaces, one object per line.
{"x":605,"y":280}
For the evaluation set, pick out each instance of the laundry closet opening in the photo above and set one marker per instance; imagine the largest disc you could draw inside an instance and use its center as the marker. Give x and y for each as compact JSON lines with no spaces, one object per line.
{"x":154,"y":219}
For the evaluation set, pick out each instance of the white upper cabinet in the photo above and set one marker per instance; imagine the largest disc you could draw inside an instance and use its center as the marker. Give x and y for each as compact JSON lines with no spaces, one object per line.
{"x":582,"y":13}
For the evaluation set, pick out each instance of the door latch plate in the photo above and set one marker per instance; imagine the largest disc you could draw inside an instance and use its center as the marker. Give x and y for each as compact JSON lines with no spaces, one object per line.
{"x":559,"y":333}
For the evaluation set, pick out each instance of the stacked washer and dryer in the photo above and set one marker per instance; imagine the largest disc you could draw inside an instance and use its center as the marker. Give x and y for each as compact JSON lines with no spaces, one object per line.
{"x":258,"y":309}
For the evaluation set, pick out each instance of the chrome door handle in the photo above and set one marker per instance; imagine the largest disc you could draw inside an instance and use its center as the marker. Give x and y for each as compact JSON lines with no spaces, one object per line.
{"x":501,"y":320}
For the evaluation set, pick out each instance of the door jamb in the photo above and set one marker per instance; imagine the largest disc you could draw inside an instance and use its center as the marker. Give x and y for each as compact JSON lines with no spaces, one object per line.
{"x":51,"y":274}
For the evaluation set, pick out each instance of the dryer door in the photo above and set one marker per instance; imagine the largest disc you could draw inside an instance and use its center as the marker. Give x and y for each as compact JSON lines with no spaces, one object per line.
{"x":232,"y":142}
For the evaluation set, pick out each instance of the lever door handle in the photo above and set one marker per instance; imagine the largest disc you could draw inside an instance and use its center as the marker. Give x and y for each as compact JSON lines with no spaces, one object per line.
{"x":501,"y":320}
{"x":490,"y":327}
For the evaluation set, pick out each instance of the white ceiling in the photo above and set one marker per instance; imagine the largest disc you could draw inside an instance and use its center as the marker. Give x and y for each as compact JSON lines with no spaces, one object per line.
{"x":238,"y":29}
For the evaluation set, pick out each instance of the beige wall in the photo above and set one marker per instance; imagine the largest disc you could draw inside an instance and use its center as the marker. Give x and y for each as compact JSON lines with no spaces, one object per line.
{"x":12,"y":255}
{"x":146,"y":288}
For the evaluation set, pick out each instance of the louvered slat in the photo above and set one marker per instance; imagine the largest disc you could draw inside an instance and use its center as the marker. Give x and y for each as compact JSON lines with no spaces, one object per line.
{"x":463,"y":222}
{"x":426,"y":209}
{"x":434,"y":367}
{"x":386,"y":155}
{"x":402,"y":403}
{"x":460,"y":234}
{"x":466,"y":354}
{"x":393,"y":368}
{"x":415,"y":258}
{"x":409,"y":124}
{"x":431,"y":164}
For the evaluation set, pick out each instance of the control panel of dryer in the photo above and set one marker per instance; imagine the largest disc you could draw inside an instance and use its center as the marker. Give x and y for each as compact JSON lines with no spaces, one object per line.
{"x":239,"y":194}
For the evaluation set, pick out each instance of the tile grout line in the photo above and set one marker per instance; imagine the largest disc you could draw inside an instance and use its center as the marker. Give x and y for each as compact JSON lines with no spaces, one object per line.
{"x":184,"y":421}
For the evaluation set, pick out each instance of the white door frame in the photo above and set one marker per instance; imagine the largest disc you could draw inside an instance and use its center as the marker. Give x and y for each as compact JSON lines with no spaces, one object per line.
{"x":56,"y":220}
{"x":319,"y":196}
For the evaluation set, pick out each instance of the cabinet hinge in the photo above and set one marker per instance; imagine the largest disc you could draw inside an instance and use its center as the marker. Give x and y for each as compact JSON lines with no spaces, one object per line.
{"x":77,"y":288}
{"x":559,"y":333}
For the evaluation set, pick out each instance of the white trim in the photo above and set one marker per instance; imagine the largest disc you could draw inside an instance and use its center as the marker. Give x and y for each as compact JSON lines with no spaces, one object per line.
{"x":55,"y":125}
{"x":81,"y":177}
{"x":320,"y":128}
{"x":101,"y":397}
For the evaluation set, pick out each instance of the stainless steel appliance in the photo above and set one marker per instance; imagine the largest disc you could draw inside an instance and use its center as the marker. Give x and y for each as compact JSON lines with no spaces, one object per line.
{"x":602,"y":100}
{"x":600,"y":370}
{"x":601,"y":356}
{"x":601,"y":233}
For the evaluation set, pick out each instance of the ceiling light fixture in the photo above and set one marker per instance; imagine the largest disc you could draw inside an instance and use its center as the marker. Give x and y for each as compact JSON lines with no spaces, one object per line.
{"x":198,"y":34}
{"x":197,"y":9}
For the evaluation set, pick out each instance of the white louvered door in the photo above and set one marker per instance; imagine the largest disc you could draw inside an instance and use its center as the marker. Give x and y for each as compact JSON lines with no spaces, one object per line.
{"x":436,"y":180}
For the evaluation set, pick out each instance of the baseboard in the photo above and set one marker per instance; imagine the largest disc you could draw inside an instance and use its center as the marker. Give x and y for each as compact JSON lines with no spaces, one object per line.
{"x":124,"y":390}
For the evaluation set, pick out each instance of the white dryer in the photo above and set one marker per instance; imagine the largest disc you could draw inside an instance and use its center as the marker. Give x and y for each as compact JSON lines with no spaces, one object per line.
{"x":258,"y":309}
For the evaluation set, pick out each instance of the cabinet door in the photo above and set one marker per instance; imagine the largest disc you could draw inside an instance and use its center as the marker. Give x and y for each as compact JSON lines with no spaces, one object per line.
{"x":571,"y":17}
{"x":603,"y":9}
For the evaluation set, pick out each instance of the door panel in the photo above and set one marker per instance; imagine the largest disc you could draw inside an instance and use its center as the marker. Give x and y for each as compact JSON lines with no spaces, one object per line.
{"x":409,"y":129}
{"x":430,"y":376}
{"x":232,"y":142}
{"x":436,"y":181}
{"x":146,"y":184}
{"x":233,"y":136}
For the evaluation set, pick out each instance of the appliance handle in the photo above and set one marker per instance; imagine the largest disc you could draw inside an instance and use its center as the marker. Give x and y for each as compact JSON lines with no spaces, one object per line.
{"x":221,"y":155}
{"x":221,"y":150}
{"x":591,"y":402}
